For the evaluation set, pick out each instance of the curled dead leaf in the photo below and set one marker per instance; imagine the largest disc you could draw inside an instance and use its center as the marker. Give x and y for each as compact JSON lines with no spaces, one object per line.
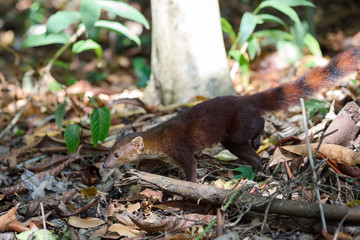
{"x":339,"y":153}
{"x":88,"y":222}
{"x":123,"y":230}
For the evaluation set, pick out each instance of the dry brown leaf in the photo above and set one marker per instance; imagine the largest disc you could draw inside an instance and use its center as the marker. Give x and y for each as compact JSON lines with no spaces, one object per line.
{"x":124,"y":219}
{"x":152,"y":195}
{"x":277,"y":158}
{"x":7,"y":218}
{"x":133,"y":207}
{"x":173,"y":223}
{"x":17,"y":226}
{"x":339,"y":153}
{"x":104,"y":233}
{"x":88,"y":222}
{"x":123,"y":230}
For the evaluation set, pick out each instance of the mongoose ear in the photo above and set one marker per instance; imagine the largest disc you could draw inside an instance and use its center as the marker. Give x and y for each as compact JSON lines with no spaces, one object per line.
{"x":138,"y":143}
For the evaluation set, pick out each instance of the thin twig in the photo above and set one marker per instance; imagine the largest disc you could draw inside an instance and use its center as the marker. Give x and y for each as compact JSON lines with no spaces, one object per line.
{"x":312,"y":164}
{"x":43,"y":217}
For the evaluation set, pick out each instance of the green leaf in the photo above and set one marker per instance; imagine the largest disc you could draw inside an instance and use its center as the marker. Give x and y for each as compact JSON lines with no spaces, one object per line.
{"x":86,"y":45}
{"x":247,"y":26}
{"x":43,"y":39}
{"x":235,"y":54}
{"x":61,"y":20}
{"x":59,"y":115}
{"x":226,"y":27}
{"x":62,"y":64}
{"x":253,"y":47}
{"x":118,"y":28}
{"x":313,"y":45}
{"x":298,"y":32}
{"x":245,"y":70}
{"x":295,"y":3}
{"x":246,"y":172}
{"x":55,"y":86}
{"x":142,"y":69}
{"x":282,"y":6}
{"x":90,"y":12}
{"x":71,"y":81}
{"x":71,"y":136}
{"x":99,"y":124}
{"x":40,"y":234}
{"x":93,"y":102}
{"x":271,"y":18}
{"x":273,"y":33}
{"x":124,"y":10}
{"x":313,"y":106}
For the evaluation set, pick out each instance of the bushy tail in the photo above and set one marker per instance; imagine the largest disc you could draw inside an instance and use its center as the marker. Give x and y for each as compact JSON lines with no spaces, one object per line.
{"x":281,"y":97}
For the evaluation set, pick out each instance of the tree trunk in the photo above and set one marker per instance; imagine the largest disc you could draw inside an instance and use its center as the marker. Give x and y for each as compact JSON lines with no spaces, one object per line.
{"x":188,"y":54}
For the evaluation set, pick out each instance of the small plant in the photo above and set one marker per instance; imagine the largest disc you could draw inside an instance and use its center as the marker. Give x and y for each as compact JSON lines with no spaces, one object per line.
{"x":244,"y":172}
{"x":246,"y":43}
{"x":85,"y":21}
{"x":313,"y":106}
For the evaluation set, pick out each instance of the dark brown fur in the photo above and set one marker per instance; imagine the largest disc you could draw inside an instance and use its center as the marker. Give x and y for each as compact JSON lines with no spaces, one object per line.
{"x":234,"y":121}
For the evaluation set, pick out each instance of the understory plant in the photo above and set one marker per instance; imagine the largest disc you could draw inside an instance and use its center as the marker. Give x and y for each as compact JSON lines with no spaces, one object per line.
{"x":83,"y":22}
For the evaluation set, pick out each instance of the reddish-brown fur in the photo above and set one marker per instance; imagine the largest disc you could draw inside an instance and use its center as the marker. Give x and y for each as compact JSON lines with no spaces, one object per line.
{"x":234,"y":121}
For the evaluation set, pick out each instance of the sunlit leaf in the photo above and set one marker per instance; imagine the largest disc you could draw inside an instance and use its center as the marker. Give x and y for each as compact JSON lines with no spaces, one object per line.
{"x":43,"y":39}
{"x":313,"y":45}
{"x":247,"y":26}
{"x":118,"y":28}
{"x":61,"y":20}
{"x":124,"y":10}
{"x":55,"y":86}
{"x":226,"y":27}
{"x":90,"y":12}
{"x":253,"y":47}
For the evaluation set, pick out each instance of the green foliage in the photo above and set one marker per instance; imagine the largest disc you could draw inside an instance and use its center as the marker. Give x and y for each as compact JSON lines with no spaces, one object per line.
{"x":124,"y":10}
{"x":100,"y":124}
{"x":142,"y":70}
{"x":40,"y":234}
{"x":314,"y":106}
{"x":118,"y":28}
{"x":290,"y":42}
{"x":89,"y":16}
{"x":96,"y":76}
{"x":61,"y":20}
{"x":45,"y":39}
{"x":245,"y":172}
{"x":59,"y":115}
{"x":71,"y":136}
{"x":55,"y":86}
{"x":86,"y":45}
{"x":90,"y":13}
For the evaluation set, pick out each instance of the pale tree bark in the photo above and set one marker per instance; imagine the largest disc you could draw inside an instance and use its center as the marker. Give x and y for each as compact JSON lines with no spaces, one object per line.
{"x":188,"y":55}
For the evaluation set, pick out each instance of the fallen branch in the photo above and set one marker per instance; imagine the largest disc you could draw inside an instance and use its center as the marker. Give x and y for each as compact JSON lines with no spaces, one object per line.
{"x":218,"y":196}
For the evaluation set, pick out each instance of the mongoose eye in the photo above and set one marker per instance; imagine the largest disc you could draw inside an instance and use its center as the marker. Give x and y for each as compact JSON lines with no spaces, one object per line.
{"x":116,"y":154}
